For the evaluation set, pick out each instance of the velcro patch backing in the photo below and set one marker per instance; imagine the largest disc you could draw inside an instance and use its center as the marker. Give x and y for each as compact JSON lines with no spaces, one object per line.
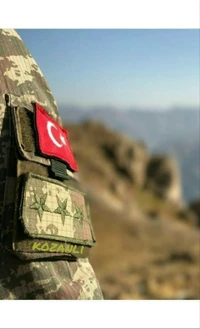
{"x":23,"y":122}
{"x":59,"y":169}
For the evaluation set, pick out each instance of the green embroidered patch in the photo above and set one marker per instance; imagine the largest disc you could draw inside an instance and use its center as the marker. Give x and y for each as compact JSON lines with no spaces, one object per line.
{"x":62,"y":205}
{"x":39,"y":204}
{"x":55,"y":211}
{"x":79,"y":214}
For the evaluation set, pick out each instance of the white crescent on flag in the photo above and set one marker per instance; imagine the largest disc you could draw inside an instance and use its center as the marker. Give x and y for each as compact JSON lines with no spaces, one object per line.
{"x":49,"y":127}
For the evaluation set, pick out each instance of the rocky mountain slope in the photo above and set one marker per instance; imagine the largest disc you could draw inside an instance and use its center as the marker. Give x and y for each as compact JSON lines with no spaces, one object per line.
{"x":147,"y":239}
{"x":187,"y":154}
{"x":175,"y":131}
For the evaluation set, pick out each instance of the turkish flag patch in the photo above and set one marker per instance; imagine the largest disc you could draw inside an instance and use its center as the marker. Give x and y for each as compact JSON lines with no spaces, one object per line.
{"x":53,"y":140}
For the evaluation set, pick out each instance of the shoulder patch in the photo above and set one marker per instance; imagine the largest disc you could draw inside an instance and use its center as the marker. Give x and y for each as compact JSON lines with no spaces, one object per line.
{"x":53,"y":140}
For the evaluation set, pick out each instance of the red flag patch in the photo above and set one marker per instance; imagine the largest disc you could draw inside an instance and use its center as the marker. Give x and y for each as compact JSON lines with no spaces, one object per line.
{"x":53,"y":139}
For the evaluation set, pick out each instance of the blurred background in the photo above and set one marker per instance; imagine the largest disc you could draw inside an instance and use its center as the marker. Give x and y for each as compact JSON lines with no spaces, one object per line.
{"x":130,"y":100}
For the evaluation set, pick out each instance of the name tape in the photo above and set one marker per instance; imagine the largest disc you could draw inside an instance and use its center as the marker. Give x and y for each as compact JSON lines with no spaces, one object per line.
{"x":57,"y":247}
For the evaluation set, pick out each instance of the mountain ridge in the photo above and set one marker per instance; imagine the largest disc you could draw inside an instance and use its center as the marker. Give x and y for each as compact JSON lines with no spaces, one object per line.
{"x":164,"y":131}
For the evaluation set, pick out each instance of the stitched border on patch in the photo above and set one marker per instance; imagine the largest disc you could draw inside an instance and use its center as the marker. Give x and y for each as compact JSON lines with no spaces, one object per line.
{"x":53,"y":210}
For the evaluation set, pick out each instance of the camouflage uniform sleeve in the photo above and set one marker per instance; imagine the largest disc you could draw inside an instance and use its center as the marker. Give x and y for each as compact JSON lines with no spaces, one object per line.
{"x":35,"y":279}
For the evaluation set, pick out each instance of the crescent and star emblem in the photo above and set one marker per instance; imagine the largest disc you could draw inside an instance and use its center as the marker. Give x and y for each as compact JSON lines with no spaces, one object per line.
{"x":62,"y":140}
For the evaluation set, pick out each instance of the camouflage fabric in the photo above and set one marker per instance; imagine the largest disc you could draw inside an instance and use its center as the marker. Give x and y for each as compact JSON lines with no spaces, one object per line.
{"x":51,"y":278}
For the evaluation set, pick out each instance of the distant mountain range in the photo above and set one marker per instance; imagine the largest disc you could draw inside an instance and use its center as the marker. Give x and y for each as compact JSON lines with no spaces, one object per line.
{"x":174,"y":131}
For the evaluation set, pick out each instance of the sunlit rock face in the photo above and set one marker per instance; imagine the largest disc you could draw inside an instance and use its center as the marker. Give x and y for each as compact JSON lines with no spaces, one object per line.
{"x":163,"y":178}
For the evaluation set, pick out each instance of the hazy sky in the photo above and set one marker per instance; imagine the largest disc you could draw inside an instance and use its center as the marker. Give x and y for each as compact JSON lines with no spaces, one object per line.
{"x":124,"y":68}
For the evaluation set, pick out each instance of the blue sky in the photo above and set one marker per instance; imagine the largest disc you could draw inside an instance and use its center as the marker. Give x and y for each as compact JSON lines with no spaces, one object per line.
{"x":145,"y":68}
